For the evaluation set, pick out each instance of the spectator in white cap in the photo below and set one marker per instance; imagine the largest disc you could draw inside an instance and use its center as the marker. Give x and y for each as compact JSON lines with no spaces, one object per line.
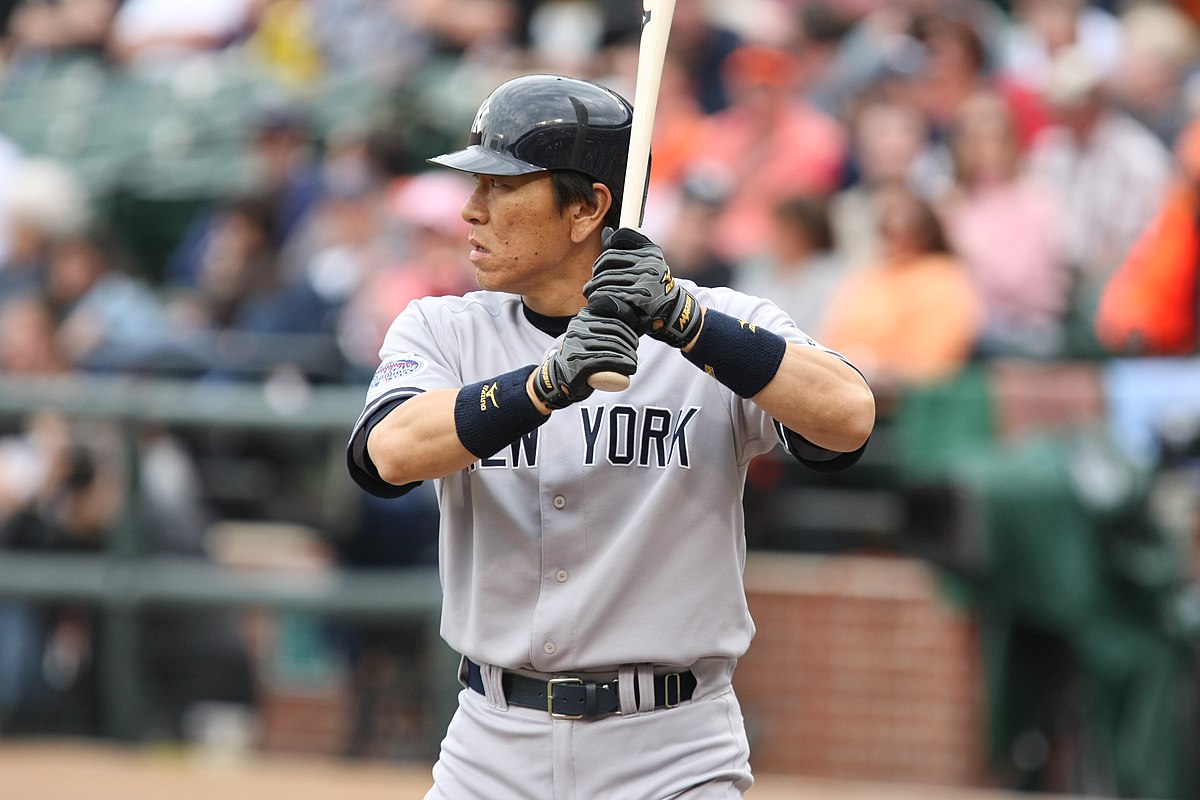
{"x":1110,"y":170}
{"x":45,"y":202}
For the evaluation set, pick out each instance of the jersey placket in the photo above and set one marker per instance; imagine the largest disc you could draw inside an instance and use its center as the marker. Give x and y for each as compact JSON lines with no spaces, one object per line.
{"x":560,"y":505}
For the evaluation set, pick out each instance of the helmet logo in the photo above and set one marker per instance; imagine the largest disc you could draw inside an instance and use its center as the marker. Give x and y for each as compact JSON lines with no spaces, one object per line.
{"x":581,"y":129}
{"x":481,"y":116}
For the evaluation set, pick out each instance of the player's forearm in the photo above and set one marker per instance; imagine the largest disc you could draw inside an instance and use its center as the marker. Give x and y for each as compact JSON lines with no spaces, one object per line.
{"x":820,"y":397}
{"x":808,"y":390}
{"x":440,"y":432}
{"x":418,"y":441}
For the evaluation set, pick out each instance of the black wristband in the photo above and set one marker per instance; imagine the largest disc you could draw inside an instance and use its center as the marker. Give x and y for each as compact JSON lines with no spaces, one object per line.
{"x":491,"y":414}
{"x":737,"y":353}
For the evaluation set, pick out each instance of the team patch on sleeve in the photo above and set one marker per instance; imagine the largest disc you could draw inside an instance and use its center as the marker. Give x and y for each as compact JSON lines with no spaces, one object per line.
{"x":397,"y":367}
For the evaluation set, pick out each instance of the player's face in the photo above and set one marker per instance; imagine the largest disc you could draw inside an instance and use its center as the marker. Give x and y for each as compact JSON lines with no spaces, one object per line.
{"x":520,"y":240}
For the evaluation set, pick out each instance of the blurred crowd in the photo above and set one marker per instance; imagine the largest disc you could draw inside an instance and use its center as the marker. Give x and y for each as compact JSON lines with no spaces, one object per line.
{"x":920,"y":184}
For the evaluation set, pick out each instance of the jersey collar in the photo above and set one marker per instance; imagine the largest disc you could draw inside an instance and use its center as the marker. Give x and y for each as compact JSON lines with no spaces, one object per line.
{"x":551,"y":326}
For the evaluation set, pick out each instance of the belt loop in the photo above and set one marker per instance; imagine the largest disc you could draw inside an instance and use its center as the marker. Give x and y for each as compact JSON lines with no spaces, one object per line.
{"x":626,"y":688}
{"x":493,"y":686}
{"x":645,"y":680}
{"x":463,"y":671}
{"x":589,"y":704}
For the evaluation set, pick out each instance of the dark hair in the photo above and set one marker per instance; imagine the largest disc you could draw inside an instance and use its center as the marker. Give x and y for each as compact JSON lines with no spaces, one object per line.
{"x":927,"y":25}
{"x":258,"y":208}
{"x":822,"y":23}
{"x":103,"y":244}
{"x":575,"y":187}
{"x":926,"y":224}
{"x":809,"y":213}
{"x":930,"y":228}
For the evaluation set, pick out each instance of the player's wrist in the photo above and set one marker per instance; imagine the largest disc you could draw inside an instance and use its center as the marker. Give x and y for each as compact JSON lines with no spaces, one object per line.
{"x":687,"y":348}
{"x":739,"y":354}
{"x":551,"y":390}
{"x":530,"y":383}
{"x":490,"y":414}
{"x":681,"y":318}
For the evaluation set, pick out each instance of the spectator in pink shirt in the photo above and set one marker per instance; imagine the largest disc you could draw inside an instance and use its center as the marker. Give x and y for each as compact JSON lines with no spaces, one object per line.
{"x":772,"y":143}
{"x":1009,"y":229}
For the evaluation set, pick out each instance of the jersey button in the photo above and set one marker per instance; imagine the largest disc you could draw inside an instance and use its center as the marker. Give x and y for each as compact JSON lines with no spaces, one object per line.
{"x":549,"y":647}
{"x":561,"y":576}
{"x":560,"y":501}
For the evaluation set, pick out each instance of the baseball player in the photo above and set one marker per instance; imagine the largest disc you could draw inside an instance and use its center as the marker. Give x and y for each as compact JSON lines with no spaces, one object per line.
{"x":591,"y":545}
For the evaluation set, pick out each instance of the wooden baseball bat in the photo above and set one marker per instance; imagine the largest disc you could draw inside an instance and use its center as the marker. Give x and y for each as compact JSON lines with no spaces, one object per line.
{"x":652,"y":53}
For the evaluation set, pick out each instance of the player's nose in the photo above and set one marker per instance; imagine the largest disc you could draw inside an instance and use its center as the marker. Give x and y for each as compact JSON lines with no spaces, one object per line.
{"x":474,"y":210}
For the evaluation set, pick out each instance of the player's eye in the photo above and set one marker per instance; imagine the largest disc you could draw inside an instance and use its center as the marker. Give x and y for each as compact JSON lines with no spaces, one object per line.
{"x":496,"y":183}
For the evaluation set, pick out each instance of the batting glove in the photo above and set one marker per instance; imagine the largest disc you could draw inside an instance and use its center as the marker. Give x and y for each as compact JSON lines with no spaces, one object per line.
{"x":631,"y":278}
{"x":593,"y":343}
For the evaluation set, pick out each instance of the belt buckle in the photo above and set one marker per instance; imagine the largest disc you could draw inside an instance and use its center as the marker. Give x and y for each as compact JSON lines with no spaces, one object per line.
{"x":675,"y":680}
{"x":550,"y":684}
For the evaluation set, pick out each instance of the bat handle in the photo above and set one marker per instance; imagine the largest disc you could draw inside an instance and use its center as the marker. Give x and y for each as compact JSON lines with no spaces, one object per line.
{"x":609,"y":381}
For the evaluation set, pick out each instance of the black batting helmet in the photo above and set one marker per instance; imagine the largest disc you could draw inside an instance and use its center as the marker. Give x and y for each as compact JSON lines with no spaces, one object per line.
{"x":549,"y":122}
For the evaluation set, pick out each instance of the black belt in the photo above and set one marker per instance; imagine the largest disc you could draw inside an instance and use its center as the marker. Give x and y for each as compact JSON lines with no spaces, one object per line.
{"x":575,"y":698}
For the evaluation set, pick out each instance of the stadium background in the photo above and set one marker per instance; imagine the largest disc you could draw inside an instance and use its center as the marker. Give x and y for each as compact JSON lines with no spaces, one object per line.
{"x":193,"y":597}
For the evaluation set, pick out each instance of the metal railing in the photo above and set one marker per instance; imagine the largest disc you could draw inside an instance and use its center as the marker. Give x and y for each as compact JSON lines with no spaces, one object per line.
{"x":124,"y":582}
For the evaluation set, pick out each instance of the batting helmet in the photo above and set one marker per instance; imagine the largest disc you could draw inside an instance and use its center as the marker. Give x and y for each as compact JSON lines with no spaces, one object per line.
{"x":549,"y":122}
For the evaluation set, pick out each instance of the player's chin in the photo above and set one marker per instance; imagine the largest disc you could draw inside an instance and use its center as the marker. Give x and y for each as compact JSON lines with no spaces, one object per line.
{"x":490,"y":281}
{"x":504,"y":276}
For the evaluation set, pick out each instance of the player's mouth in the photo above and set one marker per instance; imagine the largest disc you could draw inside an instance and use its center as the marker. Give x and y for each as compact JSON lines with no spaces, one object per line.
{"x":478,"y":251}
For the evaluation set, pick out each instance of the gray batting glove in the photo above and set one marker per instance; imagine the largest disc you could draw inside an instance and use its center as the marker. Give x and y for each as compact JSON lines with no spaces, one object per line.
{"x":631,"y":281}
{"x":593,"y":343}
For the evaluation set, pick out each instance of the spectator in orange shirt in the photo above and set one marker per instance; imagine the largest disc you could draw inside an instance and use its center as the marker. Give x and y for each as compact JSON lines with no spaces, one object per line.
{"x":1149,"y":306}
{"x":772,"y":144}
{"x":913,"y":317}
{"x":678,"y":117}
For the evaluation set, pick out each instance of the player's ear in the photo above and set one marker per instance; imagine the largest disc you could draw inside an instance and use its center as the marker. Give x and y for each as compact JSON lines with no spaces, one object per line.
{"x":589,"y":217}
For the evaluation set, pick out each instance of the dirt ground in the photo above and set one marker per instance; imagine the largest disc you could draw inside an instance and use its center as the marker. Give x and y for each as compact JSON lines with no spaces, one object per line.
{"x":88,"y":771}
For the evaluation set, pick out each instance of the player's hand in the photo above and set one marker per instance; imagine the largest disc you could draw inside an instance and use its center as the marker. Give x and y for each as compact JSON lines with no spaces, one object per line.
{"x":631,"y":281}
{"x":593,"y":343}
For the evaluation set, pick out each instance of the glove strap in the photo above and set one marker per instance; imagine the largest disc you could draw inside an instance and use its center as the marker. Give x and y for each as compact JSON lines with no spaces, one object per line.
{"x":550,"y":388}
{"x":683,"y":321}
{"x":737,"y":353}
{"x":491,"y":414}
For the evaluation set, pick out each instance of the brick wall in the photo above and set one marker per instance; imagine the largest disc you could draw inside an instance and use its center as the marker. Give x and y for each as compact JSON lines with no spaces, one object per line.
{"x":860,"y":669}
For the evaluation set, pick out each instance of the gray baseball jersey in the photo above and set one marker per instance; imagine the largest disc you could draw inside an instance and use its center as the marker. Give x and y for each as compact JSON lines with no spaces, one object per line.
{"x":612,"y":534}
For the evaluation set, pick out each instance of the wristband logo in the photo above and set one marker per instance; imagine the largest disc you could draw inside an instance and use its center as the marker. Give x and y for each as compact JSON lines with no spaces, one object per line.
{"x":401,"y":365}
{"x":743,"y":325}
{"x":488,"y":393}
